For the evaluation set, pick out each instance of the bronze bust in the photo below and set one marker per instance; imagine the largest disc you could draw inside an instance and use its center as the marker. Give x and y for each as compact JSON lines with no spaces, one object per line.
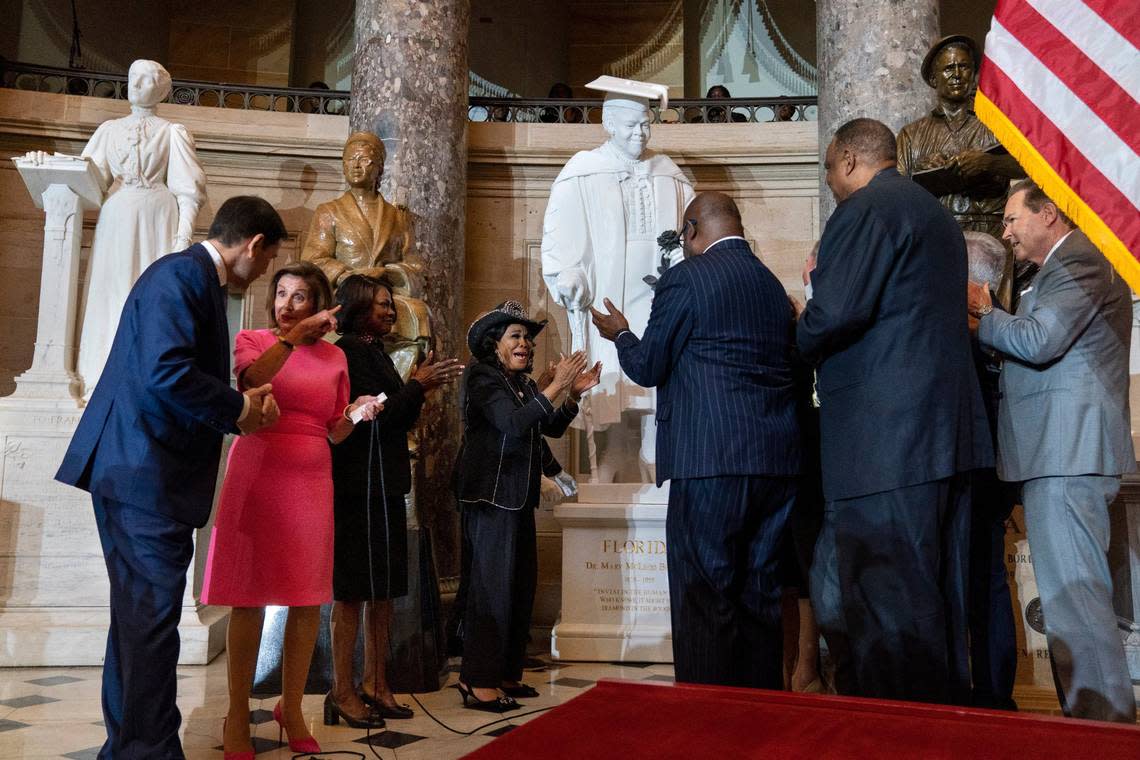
{"x":952,"y":138}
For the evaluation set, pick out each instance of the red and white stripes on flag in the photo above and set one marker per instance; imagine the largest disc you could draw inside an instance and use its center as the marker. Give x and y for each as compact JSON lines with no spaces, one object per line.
{"x":1059,"y":87}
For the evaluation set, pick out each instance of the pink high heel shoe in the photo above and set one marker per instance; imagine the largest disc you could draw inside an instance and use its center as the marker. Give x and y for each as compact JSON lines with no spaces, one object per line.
{"x":243,"y":755}
{"x":307,"y":745}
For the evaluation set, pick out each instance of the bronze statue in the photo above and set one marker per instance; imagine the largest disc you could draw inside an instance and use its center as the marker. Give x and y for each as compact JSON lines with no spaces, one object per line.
{"x":975,"y":171}
{"x":362,"y":233}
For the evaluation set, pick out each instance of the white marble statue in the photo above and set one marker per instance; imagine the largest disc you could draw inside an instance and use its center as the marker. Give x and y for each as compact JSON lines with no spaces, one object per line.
{"x":599,"y":240}
{"x":154,"y":186}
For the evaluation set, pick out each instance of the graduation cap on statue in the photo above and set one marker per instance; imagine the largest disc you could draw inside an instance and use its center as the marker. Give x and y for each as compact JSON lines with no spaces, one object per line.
{"x":630,"y":92}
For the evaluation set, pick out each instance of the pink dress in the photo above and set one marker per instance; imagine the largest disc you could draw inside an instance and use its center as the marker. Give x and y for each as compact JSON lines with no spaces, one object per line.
{"x":272,"y":542}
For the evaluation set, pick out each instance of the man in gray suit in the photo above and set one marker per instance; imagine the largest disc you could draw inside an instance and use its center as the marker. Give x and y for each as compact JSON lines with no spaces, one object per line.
{"x":1063,"y":432}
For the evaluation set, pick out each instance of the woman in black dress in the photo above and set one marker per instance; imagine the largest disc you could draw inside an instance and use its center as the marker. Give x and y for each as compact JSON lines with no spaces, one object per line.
{"x":505,"y":416}
{"x":371,"y":476}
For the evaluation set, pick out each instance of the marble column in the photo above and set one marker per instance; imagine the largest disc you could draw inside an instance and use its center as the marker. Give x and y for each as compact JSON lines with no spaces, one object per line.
{"x":409,"y":86}
{"x":691,"y":40}
{"x":869,"y":53}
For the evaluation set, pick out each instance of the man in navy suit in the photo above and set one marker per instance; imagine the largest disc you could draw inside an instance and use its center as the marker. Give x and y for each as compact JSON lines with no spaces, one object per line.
{"x":147,"y":449}
{"x":901,"y":426}
{"x":718,"y":348}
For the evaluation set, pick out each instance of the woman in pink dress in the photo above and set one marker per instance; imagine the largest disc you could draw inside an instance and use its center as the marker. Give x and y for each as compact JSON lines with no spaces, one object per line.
{"x":273,"y":537}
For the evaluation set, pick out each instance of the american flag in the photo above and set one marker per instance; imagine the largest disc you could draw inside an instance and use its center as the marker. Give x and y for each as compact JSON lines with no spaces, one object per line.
{"x":1059,"y":86}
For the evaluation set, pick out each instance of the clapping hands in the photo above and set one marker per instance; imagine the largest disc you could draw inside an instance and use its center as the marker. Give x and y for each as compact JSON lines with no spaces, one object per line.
{"x":569,"y":375}
{"x":585,"y":380}
{"x":432,"y":374}
{"x":262,"y":411}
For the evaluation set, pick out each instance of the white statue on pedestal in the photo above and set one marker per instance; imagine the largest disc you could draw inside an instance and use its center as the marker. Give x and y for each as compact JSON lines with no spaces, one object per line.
{"x":154,"y":185}
{"x":599,"y":240}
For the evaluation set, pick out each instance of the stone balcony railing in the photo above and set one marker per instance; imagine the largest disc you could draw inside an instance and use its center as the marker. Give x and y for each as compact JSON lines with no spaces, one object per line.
{"x":337,"y":103}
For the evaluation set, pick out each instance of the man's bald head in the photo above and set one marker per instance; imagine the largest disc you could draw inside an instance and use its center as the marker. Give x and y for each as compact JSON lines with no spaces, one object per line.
{"x":710,"y":217}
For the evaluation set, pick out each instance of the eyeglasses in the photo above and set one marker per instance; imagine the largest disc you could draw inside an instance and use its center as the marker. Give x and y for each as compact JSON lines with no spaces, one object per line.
{"x":690,"y":224}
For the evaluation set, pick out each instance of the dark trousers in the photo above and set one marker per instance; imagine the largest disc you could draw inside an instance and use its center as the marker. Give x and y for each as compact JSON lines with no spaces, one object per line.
{"x":147,"y":557}
{"x":723,"y":536}
{"x":500,"y":593}
{"x":993,"y":643}
{"x":900,"y":558}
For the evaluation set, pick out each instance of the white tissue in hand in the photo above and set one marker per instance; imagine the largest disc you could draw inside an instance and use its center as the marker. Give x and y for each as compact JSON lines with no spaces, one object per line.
{"x":357,"y":414}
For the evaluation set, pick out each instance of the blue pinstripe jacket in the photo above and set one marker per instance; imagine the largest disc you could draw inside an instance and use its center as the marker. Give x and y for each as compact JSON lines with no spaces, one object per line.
{"x":718,"y":348}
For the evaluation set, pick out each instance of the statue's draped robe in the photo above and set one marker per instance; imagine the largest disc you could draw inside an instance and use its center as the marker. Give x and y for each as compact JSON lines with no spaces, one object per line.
{"x":603,"y":220}
{"x":155,"y":186}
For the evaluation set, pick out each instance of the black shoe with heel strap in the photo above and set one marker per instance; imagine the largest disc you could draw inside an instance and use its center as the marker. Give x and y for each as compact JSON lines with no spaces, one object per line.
{"x":334,"y":713}
{"x":497,"y":705}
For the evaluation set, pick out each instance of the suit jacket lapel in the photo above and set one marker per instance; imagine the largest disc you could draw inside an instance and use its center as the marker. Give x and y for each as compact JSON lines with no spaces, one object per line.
{"x":1043,"y":278}
{"x":222,"y":326}
{"x":382,"y":224}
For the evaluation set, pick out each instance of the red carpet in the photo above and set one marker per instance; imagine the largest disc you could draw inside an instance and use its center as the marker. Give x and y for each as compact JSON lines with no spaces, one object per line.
{"x":628,"y":720}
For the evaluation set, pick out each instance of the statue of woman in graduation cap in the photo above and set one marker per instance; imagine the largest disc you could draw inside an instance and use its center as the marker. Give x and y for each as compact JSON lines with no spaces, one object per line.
{"x":607,"y":208}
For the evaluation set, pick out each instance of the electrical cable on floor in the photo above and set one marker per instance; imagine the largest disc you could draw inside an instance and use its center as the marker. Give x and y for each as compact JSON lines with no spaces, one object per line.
{"x":374,"y":445}
{"x":476,"y":730}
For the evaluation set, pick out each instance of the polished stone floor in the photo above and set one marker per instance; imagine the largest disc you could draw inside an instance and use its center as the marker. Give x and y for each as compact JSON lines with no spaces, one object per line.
{"x":55,"y":712}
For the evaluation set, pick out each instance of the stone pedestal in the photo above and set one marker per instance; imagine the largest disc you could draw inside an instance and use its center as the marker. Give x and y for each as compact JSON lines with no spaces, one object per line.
{"x":64,"y":188}
{"x":615,"y":583}
{"x":53,"y":581}
{"x":1033,"y":663}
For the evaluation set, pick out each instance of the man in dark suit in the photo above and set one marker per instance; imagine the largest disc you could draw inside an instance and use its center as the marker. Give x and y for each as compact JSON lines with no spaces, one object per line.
{"x":1064,"y":433}
{"x":147,"y":449}
{"x":901,"y":425}
{"x":718,"y":348}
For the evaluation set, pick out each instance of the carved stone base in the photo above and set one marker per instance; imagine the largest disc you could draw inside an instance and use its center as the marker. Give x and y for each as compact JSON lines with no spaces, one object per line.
{"x":48,"y":389}
{"x":615,"y":584}
{"x":77,"y":636}
{"x":53,"y":580}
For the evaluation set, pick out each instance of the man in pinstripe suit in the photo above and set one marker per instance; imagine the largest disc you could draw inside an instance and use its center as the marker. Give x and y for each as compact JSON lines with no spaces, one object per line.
{"x":718,"y":348}
{"x":901,"y":426}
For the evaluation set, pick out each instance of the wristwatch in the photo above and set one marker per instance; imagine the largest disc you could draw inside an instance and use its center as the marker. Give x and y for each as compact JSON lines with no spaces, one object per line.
{"x":984,"y":310}
{"x":287,"y":344}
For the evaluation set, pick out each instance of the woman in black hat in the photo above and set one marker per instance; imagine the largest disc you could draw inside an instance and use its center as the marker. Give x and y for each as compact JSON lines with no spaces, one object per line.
{"x":505,"y":416}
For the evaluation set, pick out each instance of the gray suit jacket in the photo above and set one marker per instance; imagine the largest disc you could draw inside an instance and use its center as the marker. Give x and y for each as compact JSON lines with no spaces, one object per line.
{"x":1064,"y":404}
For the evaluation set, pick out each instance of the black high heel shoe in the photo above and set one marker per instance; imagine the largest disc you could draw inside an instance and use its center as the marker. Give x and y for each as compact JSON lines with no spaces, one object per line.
{"x":334,"y":713}
{"x":396,"y":712}
{"x":496,"y":705}
{"x":520,"y":690}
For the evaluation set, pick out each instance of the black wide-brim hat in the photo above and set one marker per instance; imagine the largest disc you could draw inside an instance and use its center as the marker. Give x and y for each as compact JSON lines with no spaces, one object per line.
{"x":506,"y":313}
{"x":950,"y":39}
